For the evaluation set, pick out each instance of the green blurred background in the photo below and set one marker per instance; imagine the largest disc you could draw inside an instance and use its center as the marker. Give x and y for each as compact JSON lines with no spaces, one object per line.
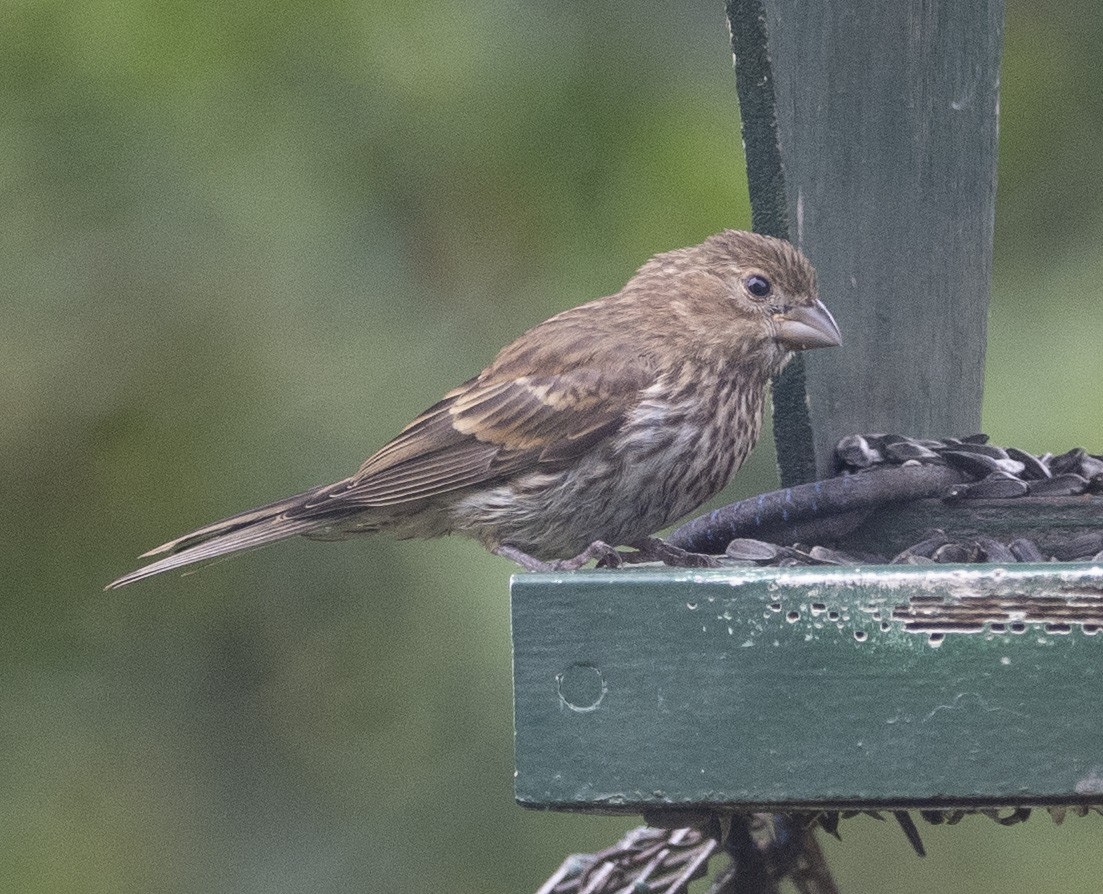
{"x":241,"y":244}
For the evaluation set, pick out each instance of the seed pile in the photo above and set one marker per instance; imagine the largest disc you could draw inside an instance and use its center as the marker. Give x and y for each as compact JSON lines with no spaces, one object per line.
{"x":993,"y":472}
{"x":875,"y":470}
{"x":937,"y":549}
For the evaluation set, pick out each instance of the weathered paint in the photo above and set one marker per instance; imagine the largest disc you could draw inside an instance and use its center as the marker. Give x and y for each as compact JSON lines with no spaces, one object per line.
{"x":809,"y":687}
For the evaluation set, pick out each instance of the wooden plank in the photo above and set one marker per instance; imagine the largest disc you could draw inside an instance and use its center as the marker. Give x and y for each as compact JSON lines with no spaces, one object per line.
{"x":886,"y":121}
{"x":809,"y":687}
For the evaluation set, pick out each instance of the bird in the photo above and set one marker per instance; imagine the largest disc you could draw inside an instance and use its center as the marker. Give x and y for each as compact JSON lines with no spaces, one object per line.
{"x":592,"y":430}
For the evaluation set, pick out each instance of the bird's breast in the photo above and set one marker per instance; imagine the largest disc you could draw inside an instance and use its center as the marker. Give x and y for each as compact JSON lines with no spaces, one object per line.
{"x":689,"y":441}
{"x":677,"y":448}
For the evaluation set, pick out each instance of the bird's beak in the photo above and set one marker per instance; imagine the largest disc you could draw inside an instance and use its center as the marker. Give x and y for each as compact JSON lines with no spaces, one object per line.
{"x":807,"y":326}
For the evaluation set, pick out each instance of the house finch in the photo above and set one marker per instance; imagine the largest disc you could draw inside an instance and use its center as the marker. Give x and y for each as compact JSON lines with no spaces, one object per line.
{"x":599,"y":426}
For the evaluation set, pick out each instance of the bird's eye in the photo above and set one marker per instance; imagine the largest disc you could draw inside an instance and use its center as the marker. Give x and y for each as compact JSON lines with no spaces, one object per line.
{"x":757,"y":285}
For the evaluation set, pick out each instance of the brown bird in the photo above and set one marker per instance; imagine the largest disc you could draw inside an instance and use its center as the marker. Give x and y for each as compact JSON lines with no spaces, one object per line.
{"x":594,"y":429}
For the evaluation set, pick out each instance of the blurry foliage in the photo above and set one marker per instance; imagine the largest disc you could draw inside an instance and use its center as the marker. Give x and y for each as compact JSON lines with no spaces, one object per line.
{"x":242,"y":243}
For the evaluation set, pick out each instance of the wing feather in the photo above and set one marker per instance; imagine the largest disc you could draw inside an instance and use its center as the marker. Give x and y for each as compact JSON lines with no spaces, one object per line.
{"x":491,"y":428}
{"x":482,"y":432}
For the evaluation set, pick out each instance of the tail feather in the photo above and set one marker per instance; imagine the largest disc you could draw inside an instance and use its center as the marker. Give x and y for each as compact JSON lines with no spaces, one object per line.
{"x":244,"y":531}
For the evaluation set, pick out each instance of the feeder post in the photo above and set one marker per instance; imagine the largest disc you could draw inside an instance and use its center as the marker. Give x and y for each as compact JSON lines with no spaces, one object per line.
{"x":883,"y":120}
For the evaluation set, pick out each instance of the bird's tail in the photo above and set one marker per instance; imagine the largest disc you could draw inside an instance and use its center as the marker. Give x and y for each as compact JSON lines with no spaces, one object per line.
{"x":305,"y":513}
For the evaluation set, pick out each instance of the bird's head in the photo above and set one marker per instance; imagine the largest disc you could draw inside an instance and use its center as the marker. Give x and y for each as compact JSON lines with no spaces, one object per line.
{"x":745,"y":295}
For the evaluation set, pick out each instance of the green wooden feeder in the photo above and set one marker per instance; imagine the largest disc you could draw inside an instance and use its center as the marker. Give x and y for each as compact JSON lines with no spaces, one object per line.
{"x":870,"y":134}
{"x":810,"y":688}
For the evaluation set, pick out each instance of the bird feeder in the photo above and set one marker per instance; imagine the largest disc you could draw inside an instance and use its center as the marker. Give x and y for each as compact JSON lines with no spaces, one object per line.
{"x":870,"y":135}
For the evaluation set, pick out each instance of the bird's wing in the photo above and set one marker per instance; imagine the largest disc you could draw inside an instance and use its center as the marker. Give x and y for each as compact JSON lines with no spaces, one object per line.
{"x":482,"y":431}
{"x":492,"y":427}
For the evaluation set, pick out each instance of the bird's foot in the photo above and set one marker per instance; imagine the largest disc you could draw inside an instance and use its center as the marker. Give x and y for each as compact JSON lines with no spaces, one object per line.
{"x":606,"y":555}
{"x":655,"y":550}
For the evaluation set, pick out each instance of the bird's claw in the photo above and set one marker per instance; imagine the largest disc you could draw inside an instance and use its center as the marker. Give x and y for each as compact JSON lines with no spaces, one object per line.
{"x":607,"y":557}
{"x":655,"y":550}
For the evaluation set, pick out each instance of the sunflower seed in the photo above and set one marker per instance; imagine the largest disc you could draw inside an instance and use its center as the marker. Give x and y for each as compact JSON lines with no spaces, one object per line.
{"x":981,"y":449}
{"x":976,"y":464}
{"x":1078,"y":547}
{"x":1068,"y":484}
{"x":924,"y":547}
{"x":903,"y":451}
{"x":1033,"y":468}
{"x":1026,"y":550}
{"x":1067,"y":462}
{"x":1090,"y":466}
{"x":955,"y":553}
{"x":826,"y":556}
{"x":994,"y":551}
{"x":856,"y":452}
{"x":747,"y":550}
{"x":998,"y":486}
